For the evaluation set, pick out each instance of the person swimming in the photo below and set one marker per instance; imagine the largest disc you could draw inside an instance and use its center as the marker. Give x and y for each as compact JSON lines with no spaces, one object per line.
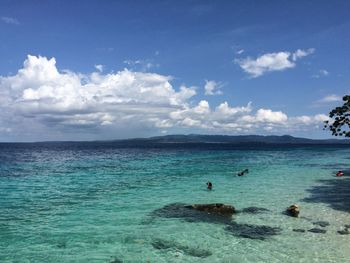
{"x":209,"y":185}
{"x":339,"y":173}
{"x":245,"y":171}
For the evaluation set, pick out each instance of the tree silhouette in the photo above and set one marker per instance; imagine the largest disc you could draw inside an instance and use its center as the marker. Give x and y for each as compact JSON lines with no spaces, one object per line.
{"x":339,"y":123}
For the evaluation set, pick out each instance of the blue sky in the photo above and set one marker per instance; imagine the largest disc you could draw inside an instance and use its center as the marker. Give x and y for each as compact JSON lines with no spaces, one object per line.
{"x":120,"y":69}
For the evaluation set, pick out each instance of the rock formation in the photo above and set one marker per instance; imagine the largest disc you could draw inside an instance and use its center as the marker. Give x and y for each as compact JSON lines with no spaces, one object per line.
{"x":293,"y":210}
{"x":214,"y":208}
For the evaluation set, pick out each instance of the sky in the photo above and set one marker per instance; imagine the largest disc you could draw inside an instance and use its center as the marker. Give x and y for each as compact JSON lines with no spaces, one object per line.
{"x":102,"y":70}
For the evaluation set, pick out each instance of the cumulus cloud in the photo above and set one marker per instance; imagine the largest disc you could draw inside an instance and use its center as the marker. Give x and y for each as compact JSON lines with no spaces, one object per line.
{"x":212,"y":87}
{"x":40,"y":91}
{"x":241,"y":119}
{"x":267,"y":115}
{"x":269,"y":62}
{"x":10,"y":20}
{"x":40,"y":99}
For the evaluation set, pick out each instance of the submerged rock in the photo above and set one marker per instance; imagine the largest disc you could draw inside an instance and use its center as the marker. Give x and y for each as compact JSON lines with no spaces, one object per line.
{"x":195,"y":213}
{"x":191,"y":251}
{"x":346,"y":231}
{"x":175,"y":210}
{"x":321,"y":223}
{"x":252,"y":231}
{"x":216,"y":214}
{"x":254,"y":210}
{"x":293,"y":210}
{"x":214,"y":208}
{"x":317,"y":230}
{"x":299,"y":230}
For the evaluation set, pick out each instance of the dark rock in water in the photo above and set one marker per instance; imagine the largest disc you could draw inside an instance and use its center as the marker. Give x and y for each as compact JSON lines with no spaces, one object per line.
{"x":344,"y":232}
{"x":254,"y":210}
{"x":321,"y":223}
{"x":211,"y":213}
{"x":162,"y":244}
{"x":299,"y":230}
{"x":190,"y":214}
{"x":194,"y":252}
{"x":347,"y":226}
{"x":317,"y":230}
{"x":214,"y":208}
{"x":175,"y":210}
{"x":252,"y":231}
{"x":293,"y":210}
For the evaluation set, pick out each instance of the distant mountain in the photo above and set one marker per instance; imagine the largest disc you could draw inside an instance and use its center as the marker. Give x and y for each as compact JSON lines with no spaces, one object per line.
{"x":195,"y":141}
{"x":240,"y":139}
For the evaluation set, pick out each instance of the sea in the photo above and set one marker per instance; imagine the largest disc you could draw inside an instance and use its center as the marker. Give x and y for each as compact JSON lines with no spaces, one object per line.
{"x":105,"y":202}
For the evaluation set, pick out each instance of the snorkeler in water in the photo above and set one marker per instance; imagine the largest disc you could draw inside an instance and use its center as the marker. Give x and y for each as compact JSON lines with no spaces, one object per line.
{"x":209,"y":185}
{"x":245,"y":171}
{"x":339,"y":173}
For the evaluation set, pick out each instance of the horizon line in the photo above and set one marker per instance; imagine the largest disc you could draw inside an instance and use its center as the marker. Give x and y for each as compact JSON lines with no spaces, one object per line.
{"x":179,"y":134}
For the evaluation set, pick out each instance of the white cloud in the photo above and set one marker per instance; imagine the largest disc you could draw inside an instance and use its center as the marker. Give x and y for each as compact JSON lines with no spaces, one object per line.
{"x":317,"y":119}
{"x":265,"y":63}
{"x":239,"y":52}
{"x":324,"y":72}
{"x":99,"y":67}
{"x":302,"y":53}
{"x":10,"y":20}
{"x":321,"y":73}
{"x":40,"y":90}
{"x":225,"y":110}
{"x":267,"y":115}
{"x":269,"y":62}
{"x":140,"y":64}
{"x":241,"y":119}
{"x":191,"y":122}
{"x":212,"y":87}
{"x":330,"y":98}
{"x":39,"y":99}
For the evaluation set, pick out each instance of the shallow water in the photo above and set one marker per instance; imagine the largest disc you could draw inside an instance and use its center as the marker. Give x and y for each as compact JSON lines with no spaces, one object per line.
{"x":96,"y":203}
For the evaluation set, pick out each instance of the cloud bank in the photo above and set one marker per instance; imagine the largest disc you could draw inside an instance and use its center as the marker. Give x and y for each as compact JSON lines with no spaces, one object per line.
{"x":40,"y":98}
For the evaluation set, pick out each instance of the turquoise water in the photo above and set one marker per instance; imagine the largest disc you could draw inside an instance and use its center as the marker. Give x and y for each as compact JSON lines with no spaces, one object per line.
{"x":77,"y":203}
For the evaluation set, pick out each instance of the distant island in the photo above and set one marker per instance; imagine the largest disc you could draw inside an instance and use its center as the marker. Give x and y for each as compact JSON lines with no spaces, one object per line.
{"x":230,"y":139}
{"x":204,"y":140}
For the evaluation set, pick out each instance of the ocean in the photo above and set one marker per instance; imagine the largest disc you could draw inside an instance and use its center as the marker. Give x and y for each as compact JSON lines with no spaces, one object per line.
{"x":102,"y":202}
